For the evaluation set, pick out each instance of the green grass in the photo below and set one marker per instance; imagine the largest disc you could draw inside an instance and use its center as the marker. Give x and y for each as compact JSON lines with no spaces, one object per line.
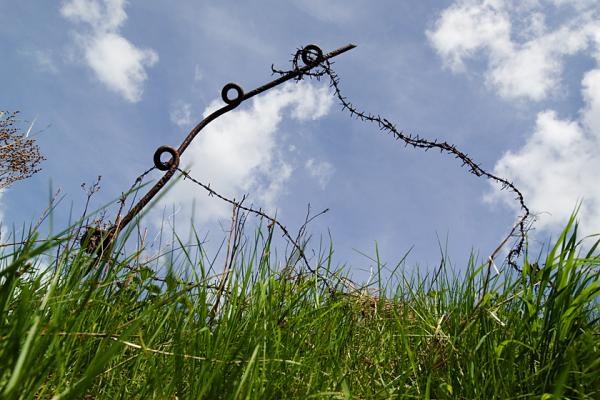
{"x":118,"y":330}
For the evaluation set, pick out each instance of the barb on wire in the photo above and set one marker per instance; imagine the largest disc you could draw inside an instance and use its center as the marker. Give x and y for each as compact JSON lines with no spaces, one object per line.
{"x":309,"y":53}
{"x":137,"y":182}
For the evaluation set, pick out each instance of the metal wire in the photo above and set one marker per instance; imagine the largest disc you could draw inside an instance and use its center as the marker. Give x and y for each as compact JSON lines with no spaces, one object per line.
{"x":325,"y":69}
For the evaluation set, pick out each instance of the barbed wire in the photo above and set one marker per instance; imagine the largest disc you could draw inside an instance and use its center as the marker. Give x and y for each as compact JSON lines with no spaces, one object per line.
{"x":316,"y":65}
{"x":313,"y":54}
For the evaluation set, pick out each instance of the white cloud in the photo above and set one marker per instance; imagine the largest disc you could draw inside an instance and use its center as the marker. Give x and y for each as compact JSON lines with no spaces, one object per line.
{"x":181,"y":114}
{"x":101,"y":15}
{"x":557,"y":166}
{"x":322,"y":171}
{"x":469,"y":26}
{"x":115,"y":61}
{"x":528,"y":69}
{"x":119,"y":64}
{"x":241,"y":153}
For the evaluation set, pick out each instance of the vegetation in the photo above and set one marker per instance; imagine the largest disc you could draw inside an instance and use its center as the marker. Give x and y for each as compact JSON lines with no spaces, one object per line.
{"x":80,"y":326}
{"x":19,"y":154}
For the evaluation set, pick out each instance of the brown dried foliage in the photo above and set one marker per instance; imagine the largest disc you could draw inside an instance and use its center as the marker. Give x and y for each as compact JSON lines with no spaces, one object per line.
{"x":19,"y":155}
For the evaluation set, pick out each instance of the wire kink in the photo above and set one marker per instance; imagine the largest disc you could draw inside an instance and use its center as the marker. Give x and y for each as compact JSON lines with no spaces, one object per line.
{"x":239,"y":94}
{"x":173,"y":161}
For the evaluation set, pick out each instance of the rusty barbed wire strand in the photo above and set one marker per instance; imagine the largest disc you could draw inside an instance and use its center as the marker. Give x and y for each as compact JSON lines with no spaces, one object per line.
{"x":314,"y":54}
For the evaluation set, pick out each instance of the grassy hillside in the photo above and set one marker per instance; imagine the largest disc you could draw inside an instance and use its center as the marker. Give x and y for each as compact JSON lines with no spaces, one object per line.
{"x":109,"y":329}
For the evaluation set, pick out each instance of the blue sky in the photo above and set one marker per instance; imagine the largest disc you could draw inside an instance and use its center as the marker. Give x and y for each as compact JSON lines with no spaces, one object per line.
{"x":514,"y":84}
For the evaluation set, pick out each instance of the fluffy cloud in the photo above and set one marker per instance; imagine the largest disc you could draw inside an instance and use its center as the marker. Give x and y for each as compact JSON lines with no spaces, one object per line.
{"x":240,"y":153}
{"x":467,"y":27}
{"x":115,"y":61}
{"x":557,"y":166}
{"x":529,"y":68}
{"x":101,"y":15}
